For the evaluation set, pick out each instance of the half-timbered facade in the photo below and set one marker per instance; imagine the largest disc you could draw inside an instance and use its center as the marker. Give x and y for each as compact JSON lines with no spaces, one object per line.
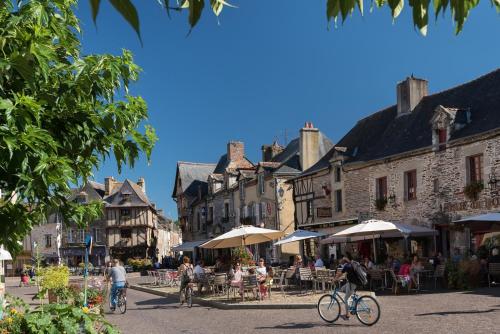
{"x":130,"y":220}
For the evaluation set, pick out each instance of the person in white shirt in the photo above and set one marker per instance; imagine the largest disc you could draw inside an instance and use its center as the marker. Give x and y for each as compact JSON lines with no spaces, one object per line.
{"x":319,"y":263}
{"x":199,"y":271}
{"x":199,"y":268}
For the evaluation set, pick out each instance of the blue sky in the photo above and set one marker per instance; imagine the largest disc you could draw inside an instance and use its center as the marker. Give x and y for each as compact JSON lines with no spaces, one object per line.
{"x":269,"y":66}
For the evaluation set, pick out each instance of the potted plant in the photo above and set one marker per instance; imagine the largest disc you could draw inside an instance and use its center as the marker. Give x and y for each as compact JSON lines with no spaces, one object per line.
{"x":380,"y":203}
{"x":54,"y":281}
{"x":472,"y":190}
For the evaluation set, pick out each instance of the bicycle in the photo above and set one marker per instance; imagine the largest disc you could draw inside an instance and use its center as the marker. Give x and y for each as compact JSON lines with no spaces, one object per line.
{"x":188,"y":295}
{"x":121,"y":296}
{"x":366,"y":308}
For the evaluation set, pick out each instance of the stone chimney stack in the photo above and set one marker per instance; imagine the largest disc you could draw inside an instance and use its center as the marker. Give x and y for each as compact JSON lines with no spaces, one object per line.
{"x":270,"y":151}
{"x":109,"y":183}
{"x":409,"y":94}
{"x":309,"y":146}
{"x":142,"y":183}
{"x":235,"y":151}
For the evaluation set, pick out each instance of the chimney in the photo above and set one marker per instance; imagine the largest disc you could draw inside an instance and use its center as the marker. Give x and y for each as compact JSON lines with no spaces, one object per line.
{"x":235,"y":151}
{"x":270,"y":151}
{"x":309,"y":146}
{"x":409,"y":94}
{"x":142,"y":183}
{"x":109,"y":183}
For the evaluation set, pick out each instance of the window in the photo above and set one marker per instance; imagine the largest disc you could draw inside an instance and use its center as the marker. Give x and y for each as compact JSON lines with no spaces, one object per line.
{"x":211,"y":213}
{"x":474,"y":168}
{"x":126,"y":233}
{"x":442,"y":137}
{"x":381,"y":188}
{"x":242,"y":189}
{"x":411,"y":185}
{"x":435,"y":185}
{"x":198,"y":222}
{"x":310,"y":212}
{"x":261,"y":183}
{"x":226,"y":210}
{"x":338,"y":172}
{"x":125,"y":212}
{"x":338,"y":200}
{"x":48,"y":241}
{"x":98,"y":235}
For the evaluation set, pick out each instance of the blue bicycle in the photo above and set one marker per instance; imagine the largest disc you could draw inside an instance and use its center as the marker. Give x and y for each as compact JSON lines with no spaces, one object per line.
{"x":366,"y":308}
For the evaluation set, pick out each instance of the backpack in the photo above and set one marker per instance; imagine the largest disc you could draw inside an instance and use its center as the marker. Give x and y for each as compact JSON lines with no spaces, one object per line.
{"x":188,"y":275}
{"x":360,"y":272}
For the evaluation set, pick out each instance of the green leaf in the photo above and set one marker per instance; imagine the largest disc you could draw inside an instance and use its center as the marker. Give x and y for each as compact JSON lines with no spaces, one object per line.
{"x":127,"y":9}
{"x":195,"y":9}
{"x":346,"y":7}
{"x":94,"y":5}
{"x":332,"y":9}
{"x":396,"y":7}
{"x":440,"y":6}
{"x":360,"y":5}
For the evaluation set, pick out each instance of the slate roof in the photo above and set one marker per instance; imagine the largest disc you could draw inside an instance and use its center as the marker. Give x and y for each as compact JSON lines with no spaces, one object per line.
{"x":289,"y":159}
{"x":383,"y":134}
{"x":193,"y":175}
{"x":224,"y":163}
{"x":130,"y":189}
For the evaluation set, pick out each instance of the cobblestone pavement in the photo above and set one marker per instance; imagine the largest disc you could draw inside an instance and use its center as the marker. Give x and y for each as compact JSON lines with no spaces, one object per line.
{"x":449,"y":312}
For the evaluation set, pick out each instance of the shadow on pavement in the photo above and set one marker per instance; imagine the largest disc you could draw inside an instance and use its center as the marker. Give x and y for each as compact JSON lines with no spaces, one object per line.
{"x":307,"y":325}
{"x":157,"y":301}
{"x":492,"y":292}
{"x":445,"y":313}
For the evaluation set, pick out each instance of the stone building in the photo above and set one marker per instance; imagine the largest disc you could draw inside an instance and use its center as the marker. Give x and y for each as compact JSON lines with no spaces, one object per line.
{"x":73,"y":236}
{"x":213,"y":199}
{"x":427,"y":160}
{"x":131,"y":220}
{"x":264,"y":198}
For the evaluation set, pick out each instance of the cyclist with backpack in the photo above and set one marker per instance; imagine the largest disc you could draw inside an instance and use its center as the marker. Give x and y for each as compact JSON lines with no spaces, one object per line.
{"x":355,"y":275}
{"x":186,"y":273}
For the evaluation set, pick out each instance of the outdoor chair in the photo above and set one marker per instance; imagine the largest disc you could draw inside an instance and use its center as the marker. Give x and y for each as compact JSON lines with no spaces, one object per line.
{"x":250,"y":284}
{"x":281,"y":282}
{"x":493,"y":271}
{"x":220,"y":284}
{"x":398,"y":280}
{"x":438,"y":274}
{"x":376,"y":276}
{"x":323,"y":278}
{"x":289,"y":275}
{"x":305,"y":276}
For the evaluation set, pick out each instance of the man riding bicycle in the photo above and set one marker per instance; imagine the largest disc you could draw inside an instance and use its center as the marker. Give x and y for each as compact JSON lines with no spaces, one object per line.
{"x":352,"y":281}
{"x":186,"y":273}
{"x":118,"y":276}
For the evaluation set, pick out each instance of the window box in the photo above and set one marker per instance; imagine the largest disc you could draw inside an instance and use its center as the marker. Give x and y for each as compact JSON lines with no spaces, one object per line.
{"x":473,"y":189}
{"x":380,"y":204}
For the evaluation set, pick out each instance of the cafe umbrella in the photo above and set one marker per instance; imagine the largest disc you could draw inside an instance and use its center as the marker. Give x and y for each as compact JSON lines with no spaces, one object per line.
{"x":243,"y":236}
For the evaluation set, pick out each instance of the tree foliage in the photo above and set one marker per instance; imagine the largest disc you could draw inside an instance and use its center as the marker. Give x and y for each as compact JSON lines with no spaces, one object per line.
{"x":335,"y":9}
{"x":59,"y":115}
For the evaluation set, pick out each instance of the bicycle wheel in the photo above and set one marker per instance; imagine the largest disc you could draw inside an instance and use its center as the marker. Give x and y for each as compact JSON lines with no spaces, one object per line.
{"x":122,"y":303}
{"x":329,"y":308}
{"x":367,"y":310}
{"x":189,"y":297}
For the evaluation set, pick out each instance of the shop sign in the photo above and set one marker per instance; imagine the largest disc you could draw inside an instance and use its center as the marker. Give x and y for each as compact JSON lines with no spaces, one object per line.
{"x":324,"y":212}
{"x":488,"y":203}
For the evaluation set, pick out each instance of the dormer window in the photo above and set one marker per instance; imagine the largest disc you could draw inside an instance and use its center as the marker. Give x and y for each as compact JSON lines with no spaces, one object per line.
{"x":261,"y":182}
{"x":442,"y":135}
{"x":126,"y":196}
{"x":242,"y":190}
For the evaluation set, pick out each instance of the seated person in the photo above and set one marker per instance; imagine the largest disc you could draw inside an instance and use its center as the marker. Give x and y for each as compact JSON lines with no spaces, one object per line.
{"x":494,"y":258}
{"x":404,"y":273}
{"x":237,"y":280}
{"x":367,"y":263}
{"x":393,"y":264}
{"x":198,"y":273}
{"x":319,"y":262}
{"x":262,"y":276}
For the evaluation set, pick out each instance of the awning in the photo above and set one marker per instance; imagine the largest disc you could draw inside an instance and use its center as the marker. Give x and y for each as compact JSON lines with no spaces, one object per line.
{"x":188,"y":246}
{"x":488,"y":217}
{"x":299,"y":235}
{"x":4,"y":254}
{"x":481,"y":223}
